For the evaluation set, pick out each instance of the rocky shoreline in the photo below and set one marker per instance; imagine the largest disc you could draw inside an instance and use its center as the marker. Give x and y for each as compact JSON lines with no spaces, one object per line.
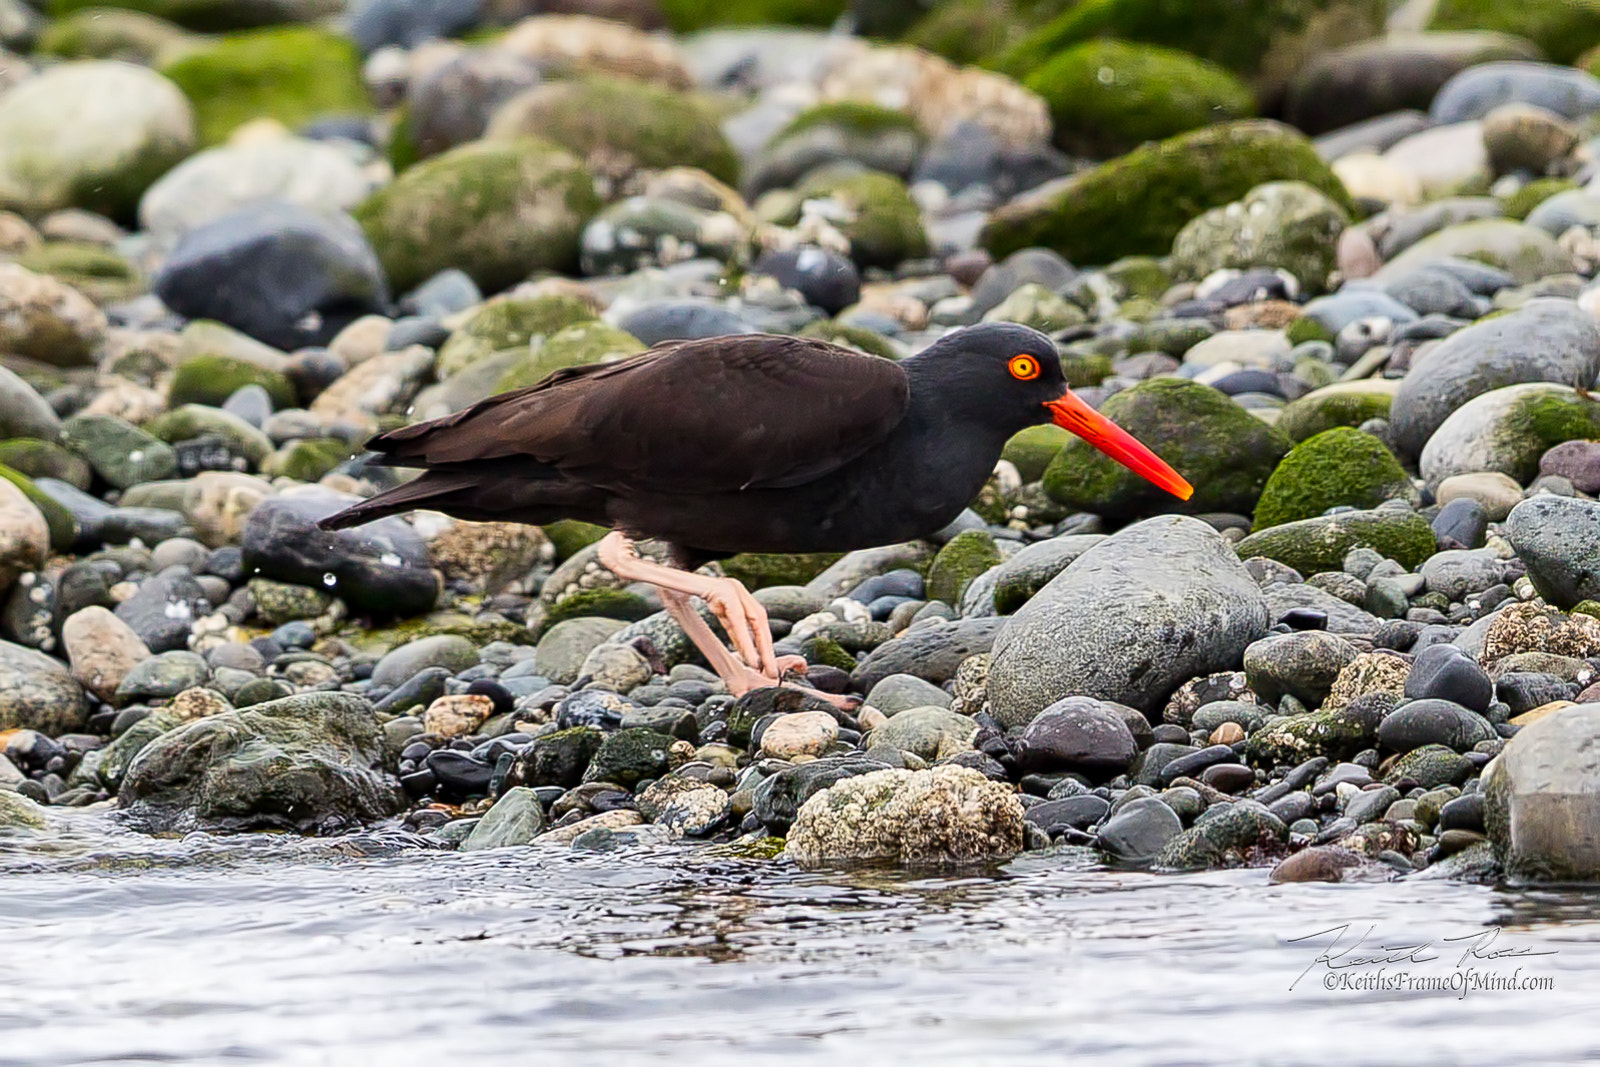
{"x":1369,"y":648}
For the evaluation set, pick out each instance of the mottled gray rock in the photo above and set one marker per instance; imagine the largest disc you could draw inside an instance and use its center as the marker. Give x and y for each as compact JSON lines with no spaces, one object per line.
{"x":1548,"y":340}
{"x":931,"y":650}
{"x":38,"y":692}
{"x":516,"y":819}
{"x":899,"y":692}
{"x":1130,"y":620}
{"x":1024,"y":574}
{"x":1343,"y":616}
{"x":1303,"y":665}
{"x":1433,"y":722}
{"x":1138,"y":831}
{"x":1542,"y":798}
{"x":931,"y":733}
{"x":1558,"y":538}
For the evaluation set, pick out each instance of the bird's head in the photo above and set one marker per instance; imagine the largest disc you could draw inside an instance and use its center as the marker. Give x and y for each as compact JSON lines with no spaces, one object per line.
{"x":1013,"y":376}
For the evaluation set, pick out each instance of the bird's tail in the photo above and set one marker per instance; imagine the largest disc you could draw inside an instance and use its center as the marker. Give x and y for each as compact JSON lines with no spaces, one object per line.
{"x":432,"y":490}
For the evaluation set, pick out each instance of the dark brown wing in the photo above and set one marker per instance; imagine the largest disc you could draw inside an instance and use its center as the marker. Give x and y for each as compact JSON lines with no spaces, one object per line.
{"x":706,"y":416}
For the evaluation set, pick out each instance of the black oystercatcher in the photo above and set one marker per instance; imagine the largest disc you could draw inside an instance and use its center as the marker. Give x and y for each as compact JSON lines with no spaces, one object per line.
{"x":751,"y":443}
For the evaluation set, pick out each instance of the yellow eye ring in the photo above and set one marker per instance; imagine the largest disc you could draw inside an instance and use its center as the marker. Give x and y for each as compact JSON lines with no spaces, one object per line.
{"x":1025,"y":368}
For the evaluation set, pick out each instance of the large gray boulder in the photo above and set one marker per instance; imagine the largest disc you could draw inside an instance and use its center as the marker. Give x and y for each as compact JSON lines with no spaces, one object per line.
{"x":38,"y":692}
{"x":1546,"y":340}
{"x":1542,"y":798}
{"x":1558,"y":537}
{"x":310,"y":762}
{"x":1130,"y":620}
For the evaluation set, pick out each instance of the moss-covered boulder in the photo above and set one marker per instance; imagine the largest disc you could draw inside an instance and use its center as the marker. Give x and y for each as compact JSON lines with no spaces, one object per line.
{"x":1032,"y":450}
{"x":112,"y":33}
{"x":1320,"y":544}
{"x":619,"y":125}
{"x":595,"y":603}
{"x":877,"y":137}
{"x":874,"y":210}
{"x":209,"y":16}
{"x":1520,"y":204}
{"x":967,"y":31}
{"x":1137,"y":203}
{"x":1339,"y":468}
{"x":511,"y":323}
{"x":499,"y":210}
{"x":966,"y":556}
{"x":294,"y":75}
{"x":1563,"y":29}
{"x":1108,"y":97}
{"x":1264,"y":41}
{"x":44,"y":459}
{"x":569,"y":536}
{"x":1287,"y":225}
{"x":307,"y":459}
{"x":575,"y":346}
{"x":212,"y":379}
{"x":189,"y":421}
{"x":687,"y":15}
{"x":96,"y":272}
{"x":1339,"y":404}
{"x":93,"y":134}
{"x":1507,"y":430}
{"x":758,"y":570}
{"x":1226,"y":453}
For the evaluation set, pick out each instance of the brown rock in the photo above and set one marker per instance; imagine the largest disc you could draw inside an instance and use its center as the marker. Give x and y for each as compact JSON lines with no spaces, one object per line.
{"x":1324,"y":863}
{"x":102,"y":649}
{"x":1229,"y":733}
{"x":593,"y":45}
{"x":457,"y":716}
{"x":24,"y":535}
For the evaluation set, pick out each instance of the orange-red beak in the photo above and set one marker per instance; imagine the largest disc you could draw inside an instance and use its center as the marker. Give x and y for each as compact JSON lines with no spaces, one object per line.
{"x":1071,"y":413}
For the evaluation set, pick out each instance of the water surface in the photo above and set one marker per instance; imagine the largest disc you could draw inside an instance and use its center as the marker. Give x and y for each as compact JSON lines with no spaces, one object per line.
{"x":117,"y":948}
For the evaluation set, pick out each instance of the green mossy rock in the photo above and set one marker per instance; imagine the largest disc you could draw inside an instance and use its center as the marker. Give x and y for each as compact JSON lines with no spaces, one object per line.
{"x":558,"y":758}
{"x":966,"y":556}
{"x":868,"y":342}
{"x":1522,"y":202}
{"x":1140,"y":276}
{"x":293,"y":75}
{"x":1320,"y":544}
{"x":112,"y":33}
{"x":601,"y":603}
{"x":1287,"y":225}
{"x":308,"y":459}
{"x":209,"y":16}
{"x":967,"y":31}
{"x":684,"y":16}
{"x":96,"y":272}
{"x":502,"y":324}
{"x":211,"y":380}
{"x":1226,"y":453}
{"x":569,"y":536}
{"x":1108,"y":97}
{"x":881,"y":220}
{"x":189,"y":421}
{"x":757,"y":570}
{"x":1032,"y":450}
{"x":1137,"y":203}
{"x":621,"y":124}
{"x":1507,"y":430}
{"x":627,"y":757}
{"x":1263,"y":41}
{"x":1338,"y":468}
{"x":1563,"y":29}
{"x":499,"y":210}
{"x":868,"y":120}
{"x":1339,"y":404}
{"x":63,"y":528}
{"x":574,"y":346}
{"x":1336,"y":734}
{"x":44,"y":459}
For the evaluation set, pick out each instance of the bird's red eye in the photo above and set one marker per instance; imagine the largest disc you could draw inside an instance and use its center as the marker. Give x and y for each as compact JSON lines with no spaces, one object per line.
{"x":1024,"y":367}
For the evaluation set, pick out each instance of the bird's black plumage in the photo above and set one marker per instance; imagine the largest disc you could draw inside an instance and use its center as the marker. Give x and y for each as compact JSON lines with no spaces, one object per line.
{"x":734,"y":444}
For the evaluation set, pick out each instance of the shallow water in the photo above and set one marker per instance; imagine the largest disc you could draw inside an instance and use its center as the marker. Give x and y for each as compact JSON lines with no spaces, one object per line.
{"x":117,"y":948}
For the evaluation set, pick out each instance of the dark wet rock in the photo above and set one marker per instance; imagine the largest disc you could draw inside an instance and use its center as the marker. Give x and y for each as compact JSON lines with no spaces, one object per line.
{"x":1447,"y":673}
{"x":1222,"y":835}
{"x":827,"y":280}
{"x":1465,"y":812}
{"x":1118,"y":626}
{"x":557,"y":759}
{"x":381,"y":568}
{"x":164,"y":609}
{"x":307,"y":763}
{"x":1078,"y":734}
{"x":162,"y":677}
{"x":930,"y":651}
{"x":1191,"y":764}
{"x":1431,"y":765}
{"x":453,"y":653}
{"x":1322,"y":863}
{"x":38,"y":692}
{"x":456,"y":775}
{"x":778,"y":799}
{"x":1462,"y":520}
{"x":1138,"y":831}
{"x":628,"y":757}
{"x":1079,"y":813}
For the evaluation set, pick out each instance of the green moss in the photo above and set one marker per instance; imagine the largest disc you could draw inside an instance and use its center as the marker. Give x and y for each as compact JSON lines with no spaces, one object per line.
{"x":209,"y":16}
{"x":211,"y":380}
{"x":1136,"y":204}
{"x":687,"y":15}
{"x":964,"y":558}
{"x":1032,"y":450}
{"x":308,"y":459}
{"x":1520,"y":204}
{"x":1140,"y":276}
{"x":293,"y":75}
{"x":98,"y":273}
{"x":1323,"y":409}
{"x":605,"y":603}
{"x":502,"y":324}
{"x":574,"y":346}
{"x":1107,"y":97}
{"x":189,"y":421}
{"x":1537,"y":423}
{"x":1338,"y":468}
{"x":761,"y":848}
{"x":883,"y":223}
{"x":1562,"y":29}
{"x":966,"y":31}
{"x":758,"y":570}
{"x":111,"y":33}
{"x":827,"y":652}
{"x":44,"y":459}
{"x":63,"y":528}
{"x":1225,"y":453}
{"x":499,"y":210}
{"x":1313,"y":545}
{"x":859,"y":338}
{"x":866,"y":119}
{"x":569,"y":536}
{"x":606,"y":119}
{"x":1261,"y":40}
{"x":1587,"y":607}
